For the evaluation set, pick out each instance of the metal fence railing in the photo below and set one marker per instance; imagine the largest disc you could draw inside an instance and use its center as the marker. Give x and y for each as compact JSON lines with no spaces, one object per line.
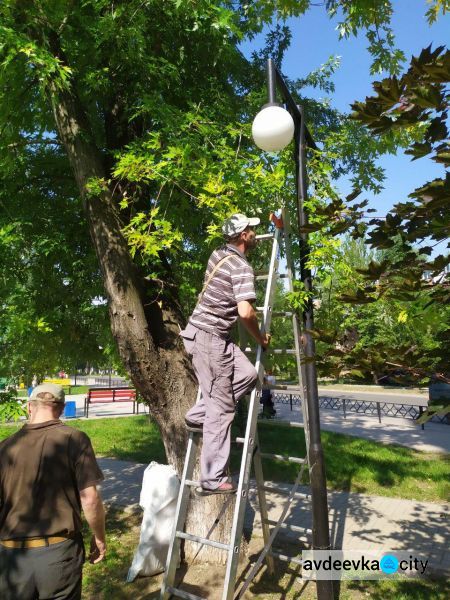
{"x":106,"y":381}
{"x":368,"y":407}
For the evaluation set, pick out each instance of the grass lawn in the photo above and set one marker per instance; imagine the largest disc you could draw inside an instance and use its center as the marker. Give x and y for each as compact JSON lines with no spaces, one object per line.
{"x":106,"y":581}
{"x":352,"y":464}
{"x":79,"y":389}
{"x":361,"y":465}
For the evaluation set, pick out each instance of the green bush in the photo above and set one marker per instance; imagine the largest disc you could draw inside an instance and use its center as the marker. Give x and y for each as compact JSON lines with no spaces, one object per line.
{"x":12,"y":407}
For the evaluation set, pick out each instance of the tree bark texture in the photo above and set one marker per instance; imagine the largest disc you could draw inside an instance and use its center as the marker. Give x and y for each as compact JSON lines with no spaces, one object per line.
{"x":150,"y":348}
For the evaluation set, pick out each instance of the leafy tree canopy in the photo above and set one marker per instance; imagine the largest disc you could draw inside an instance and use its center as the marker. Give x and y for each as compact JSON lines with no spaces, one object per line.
{"x":398,"y":300}
{"x":166,"y":98}
{"x":419,"y":97}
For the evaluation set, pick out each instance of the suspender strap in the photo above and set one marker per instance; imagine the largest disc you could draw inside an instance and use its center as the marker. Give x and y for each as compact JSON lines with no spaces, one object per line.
{"x":211,"y":275}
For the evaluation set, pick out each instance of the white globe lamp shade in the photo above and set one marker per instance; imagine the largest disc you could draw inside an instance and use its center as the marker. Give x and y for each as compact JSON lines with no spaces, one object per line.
{"x":273,"y":128}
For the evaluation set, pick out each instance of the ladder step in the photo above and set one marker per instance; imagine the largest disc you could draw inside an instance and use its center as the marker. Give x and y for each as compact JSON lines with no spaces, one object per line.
{"x":182,"y":594}
{"x":278,"y":387}
{"x":293,"y":459}
{"x":275,"y":313}
{"x":295,"y":528}
{"x":278,"y":490}
{"x":297,"y":561}
{"x":192,"y":483}
{"x":264,"y":276}
{"x":265,"y":236}
{"x":270,"y":350}
{"x":200,"y":540}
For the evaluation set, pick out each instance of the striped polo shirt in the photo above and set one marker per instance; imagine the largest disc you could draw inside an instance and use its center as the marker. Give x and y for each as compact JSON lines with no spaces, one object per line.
{"x":233,"y":282}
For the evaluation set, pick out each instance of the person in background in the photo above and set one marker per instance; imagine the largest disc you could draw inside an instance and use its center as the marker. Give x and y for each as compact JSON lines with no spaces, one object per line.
{"x":266,"y":398}
{"x":48,"y":475}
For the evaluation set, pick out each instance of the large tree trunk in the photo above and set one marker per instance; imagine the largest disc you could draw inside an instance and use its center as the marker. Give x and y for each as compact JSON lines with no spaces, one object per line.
{"x":150,"y":348}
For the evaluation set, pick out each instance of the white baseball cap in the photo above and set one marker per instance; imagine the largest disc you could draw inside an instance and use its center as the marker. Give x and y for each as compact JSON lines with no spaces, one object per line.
{"x":235,"y":224}
{"x":48,"y":388}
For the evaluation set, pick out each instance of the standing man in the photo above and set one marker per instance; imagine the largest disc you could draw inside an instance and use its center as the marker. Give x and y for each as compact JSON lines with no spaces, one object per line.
{"x":266,"y":398}
{"x":223,"y":371}
{"x":48,"y":473}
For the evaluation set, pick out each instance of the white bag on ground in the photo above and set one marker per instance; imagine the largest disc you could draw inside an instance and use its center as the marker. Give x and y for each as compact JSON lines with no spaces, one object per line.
{"x":159,"y":494}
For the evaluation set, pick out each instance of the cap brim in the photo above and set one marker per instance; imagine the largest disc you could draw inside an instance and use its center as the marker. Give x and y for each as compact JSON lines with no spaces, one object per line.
{"x":253,"y":221}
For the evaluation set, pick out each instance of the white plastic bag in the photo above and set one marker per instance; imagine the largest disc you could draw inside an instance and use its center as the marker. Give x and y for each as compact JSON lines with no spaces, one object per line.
{"x":159,"y":494}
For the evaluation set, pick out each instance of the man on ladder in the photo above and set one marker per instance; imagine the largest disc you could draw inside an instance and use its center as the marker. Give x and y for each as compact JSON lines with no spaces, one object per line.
{"x":223,"y":371}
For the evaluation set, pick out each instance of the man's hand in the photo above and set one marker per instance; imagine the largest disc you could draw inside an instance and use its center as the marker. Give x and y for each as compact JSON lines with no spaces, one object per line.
{"x":265,"y":340}
{"x":248,"y":317}
{"x":94,"y":512}
{"x":98,"y":550}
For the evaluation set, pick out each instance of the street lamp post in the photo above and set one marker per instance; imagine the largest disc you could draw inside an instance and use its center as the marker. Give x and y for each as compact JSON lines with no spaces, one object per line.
{"x":264,"y":122}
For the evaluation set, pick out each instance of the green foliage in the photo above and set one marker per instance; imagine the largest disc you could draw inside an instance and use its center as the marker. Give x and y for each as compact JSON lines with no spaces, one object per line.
{"x":50,"y":279}
{"x":434,"y":411}
{"x":436,"y":6}
{"x":369,"y":333}
{"x":417,"y":101}
{"x":170,"y":123}
{"x":299,"y":297}
{"x":11,"y":407}
{"x":375,"y":18}
{"x":420,"y":96}
{"x":149,"y":235}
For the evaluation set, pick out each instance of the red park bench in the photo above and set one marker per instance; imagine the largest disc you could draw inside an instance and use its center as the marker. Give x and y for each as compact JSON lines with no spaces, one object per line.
{"x":104,"y":395}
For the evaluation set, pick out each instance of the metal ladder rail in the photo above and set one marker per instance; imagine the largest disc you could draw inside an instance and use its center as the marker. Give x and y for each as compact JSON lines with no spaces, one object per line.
{"x":181,"y":513}
{"x":267,"y":547}
{"x":266,"y":551}
{"x":279,"y":523}
{"x":295,"y":324}
{"x":272,"y":278}
{"x":251,"y":438}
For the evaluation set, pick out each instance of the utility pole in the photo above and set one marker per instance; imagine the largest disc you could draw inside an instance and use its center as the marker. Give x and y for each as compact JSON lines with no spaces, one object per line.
{"x":303,"y":140}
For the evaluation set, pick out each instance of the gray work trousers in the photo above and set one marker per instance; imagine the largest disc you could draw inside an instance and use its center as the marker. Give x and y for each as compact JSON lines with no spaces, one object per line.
{"x":225,"y":375}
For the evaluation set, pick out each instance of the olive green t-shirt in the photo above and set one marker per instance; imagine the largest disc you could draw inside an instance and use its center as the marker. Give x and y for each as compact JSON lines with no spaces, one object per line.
{"x":43,"y":467}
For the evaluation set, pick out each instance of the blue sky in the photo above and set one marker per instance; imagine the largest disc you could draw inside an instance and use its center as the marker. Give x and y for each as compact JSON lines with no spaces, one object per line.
{"x":315,"y":39}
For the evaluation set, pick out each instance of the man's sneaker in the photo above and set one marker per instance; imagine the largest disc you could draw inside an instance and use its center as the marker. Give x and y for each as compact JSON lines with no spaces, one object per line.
{"x":224,"y":488}
{"x":193,"y":427}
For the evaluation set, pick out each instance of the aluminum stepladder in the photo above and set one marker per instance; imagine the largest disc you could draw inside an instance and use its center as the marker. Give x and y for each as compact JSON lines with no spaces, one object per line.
{"x":251,"y":455}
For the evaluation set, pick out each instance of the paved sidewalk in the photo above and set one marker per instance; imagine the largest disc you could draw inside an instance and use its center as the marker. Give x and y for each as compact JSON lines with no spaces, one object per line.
{"x":392,"y":430}
{"x":357,"y":521}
